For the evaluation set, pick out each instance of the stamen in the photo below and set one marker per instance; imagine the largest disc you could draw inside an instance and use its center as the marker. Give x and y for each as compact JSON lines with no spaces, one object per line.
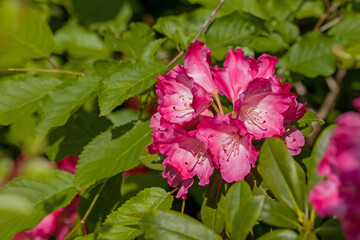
{"x":254,"y":115}
{"x":231,"y":145}
{"x":198,"y":151}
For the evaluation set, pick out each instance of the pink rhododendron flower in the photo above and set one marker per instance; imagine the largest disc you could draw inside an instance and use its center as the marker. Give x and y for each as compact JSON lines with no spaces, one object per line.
{"x":188,"y":155}
{"x":180,"y":99}
{"x":197,"y":66}
{"x":230,"y":145}
{"x":194,"y":141}
{"x":339,"y":195}
{"x":261,"y":109}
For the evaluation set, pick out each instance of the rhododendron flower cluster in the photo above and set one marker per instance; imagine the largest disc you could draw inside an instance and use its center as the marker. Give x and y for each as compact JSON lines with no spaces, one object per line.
{"x":196,"y":135}
{"x":339,"y":195}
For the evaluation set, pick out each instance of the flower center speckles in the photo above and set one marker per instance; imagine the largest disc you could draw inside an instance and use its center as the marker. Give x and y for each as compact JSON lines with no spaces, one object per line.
{"x":186,"y":103}
{"x":231,"y":145}
{"x":198,"y":151}
{"x":255,"y":116}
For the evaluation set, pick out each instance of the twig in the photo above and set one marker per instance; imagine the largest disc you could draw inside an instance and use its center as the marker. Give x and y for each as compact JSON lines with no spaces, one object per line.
{"x":183,"y":206}
{"x":42,"y":70}
{"x":174,"y":190}
{"x":326,"y":15}
{"x":51,"y":63}
{"x":86,"y":215}
{"x":330,"y":24}
{"x":328,"y":104}
{"x":202,"y":29}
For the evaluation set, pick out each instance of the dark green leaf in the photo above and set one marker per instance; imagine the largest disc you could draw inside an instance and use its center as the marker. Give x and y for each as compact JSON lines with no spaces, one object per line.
{"x":331,"y":229}
{"x":164,"y":225}
{"x":182,"y":28}
{"x":246,"y":217}
{"x":311,"y":9}
{"x":312,"y":56}
{"x":279,"y":235}
{"x":282,"y":174}
{"x":279,"y":215}
{"x":108,"y":200}
{"x":132,"y":42}
{"x":25,"y":201}
{"x":213,"y":206}
{"x":123,"y":223}
{"x":272,"y":43}
{"x":21,"y":97}
{"x":90,"y":11}
{"x":23,"y":35}
{"x":128,"y":82}
{"x":347,"y":29}
{"x":57,"y":107}
{"x":309,"y":235}
{"x":238,"y":193}
{"x":75,"y":134}
{"x":70,"y":38}
{"x":107,"y":155}
{"x":237,"y":29}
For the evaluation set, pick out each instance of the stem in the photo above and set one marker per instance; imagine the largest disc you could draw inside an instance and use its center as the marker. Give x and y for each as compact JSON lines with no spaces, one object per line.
{"x":326,"y":15}
{"x":215,"y":107}
{"x":42,"y":70}
{"x":83,"y":220}
{"x":202,"y":29}
{"x":51,"y":63}
{"x":174,"y":190}
{"x":183,"y":206}
{"x":216,"y":96}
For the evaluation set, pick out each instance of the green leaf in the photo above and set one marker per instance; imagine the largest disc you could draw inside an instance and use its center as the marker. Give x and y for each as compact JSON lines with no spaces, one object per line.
{"x":312,"y":55}
{"x":331,"y":229}
{"x":70,"y":39}
{"x":237,"y":29}
{"x":238,"y":193}
{"x":105,"y":68}
{"x":19,"y":98}
{"x":151,"y":161}
{"x":182,"y":29}
{"x":90,"y":11}
{"x":279,"y":215}
{"x":305,"y":123}
{"x":311,"y":9}
{"x":90,"y":236}
{"x":213,"y":206}
{"x":246,"y":217}
{"x":347,"y":29}
{"x":25,"y":201}
{"x":23,"y":35}
{"x":229,"y":6}
{"x":128,"y":82}
{"x":75,"y":134}
{"x":57,"y":107}
{"x":132,"y":42}
{"x":107,"y":155}
{"x":279,"y":235}
{"x":123,"y":223}
{"x":309,"y":235}
{"x":317,"y":155}
{"x":272,"y":43}
{"x":107,"y":201}
{"x":164,"y":225}
{"x":282,"y":174}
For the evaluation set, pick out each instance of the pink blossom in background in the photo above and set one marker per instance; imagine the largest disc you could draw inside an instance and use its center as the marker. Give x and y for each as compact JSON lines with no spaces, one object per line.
{"x":339,"y":195}
{"x":195,"y":139}
{"x":59,"y":222}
